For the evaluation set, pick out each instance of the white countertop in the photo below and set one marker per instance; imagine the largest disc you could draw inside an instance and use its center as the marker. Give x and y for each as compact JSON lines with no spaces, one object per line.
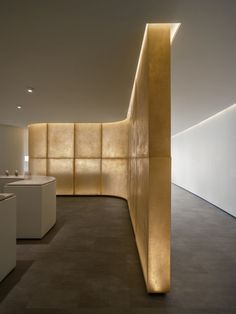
{"x":4,"y":196}
{"x":33,"y":180}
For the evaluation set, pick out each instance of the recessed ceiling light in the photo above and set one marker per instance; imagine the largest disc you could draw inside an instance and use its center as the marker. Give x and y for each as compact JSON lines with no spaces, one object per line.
{"x":19,"y":107}
{"x":30,"y":90}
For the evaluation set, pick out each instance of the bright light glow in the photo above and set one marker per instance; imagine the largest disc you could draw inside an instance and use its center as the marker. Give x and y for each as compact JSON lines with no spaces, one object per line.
{"x":141,"y":52}
{"x":137,"y":69}
{"x":19,"y":107}
{"x":173,"y":30}
{"x":30,"y":90}
{"x":206,"y":120}
{"x":26,"y":158}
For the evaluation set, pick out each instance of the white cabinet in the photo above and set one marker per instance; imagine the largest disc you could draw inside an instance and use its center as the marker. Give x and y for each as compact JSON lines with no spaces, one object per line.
{"x":7,"y":234}
{"x":36,"y":206}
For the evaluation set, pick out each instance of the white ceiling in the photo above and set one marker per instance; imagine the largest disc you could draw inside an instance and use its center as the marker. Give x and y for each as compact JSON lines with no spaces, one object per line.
{"x":81,"y":57}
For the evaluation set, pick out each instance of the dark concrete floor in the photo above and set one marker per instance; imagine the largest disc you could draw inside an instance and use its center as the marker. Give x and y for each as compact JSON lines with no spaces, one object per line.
{"x":88,"y":263}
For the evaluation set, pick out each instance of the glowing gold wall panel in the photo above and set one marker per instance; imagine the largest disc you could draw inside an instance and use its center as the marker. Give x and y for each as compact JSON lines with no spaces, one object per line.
{"x":141,"y":109}
{"x":114,"y":177}
{"x":132,"y":188}
{"x":60,"y":140}
{"x":159,"y":224}
{"x":88,"y":176}
{"x":38,"y":166}
{"x":63,"y":171}
{"x":142,"y":205}
{"x":115,"y":139}
{"x":159,"y":90}
{"x":88,"y":140}
{"x":38,"y":140}
{"x":130,"y":158}
{"x":149,"y":148}
{"x":133,"y":135}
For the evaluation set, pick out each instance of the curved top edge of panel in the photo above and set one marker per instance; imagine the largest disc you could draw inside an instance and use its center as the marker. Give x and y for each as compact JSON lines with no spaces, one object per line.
{"x":64,"y":123}
{"x":36,"y":124}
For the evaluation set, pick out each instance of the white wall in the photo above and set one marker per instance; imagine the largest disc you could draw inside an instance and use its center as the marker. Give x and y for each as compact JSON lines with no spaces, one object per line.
{"x":12,"y":149}
{"x":204,"y":160}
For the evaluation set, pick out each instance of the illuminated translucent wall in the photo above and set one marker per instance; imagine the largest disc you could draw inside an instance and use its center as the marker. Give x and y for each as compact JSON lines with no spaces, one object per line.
{"x":130,"y":158}
{"x":149,"y":162}
{"x":85,"y":158}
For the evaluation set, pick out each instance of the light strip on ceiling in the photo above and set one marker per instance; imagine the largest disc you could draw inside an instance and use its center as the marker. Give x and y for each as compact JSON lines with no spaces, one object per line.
{"x":206,"y":120}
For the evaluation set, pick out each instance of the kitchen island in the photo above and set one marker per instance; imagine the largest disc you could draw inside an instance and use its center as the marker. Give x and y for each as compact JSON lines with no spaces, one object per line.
{"x":36,"y":206}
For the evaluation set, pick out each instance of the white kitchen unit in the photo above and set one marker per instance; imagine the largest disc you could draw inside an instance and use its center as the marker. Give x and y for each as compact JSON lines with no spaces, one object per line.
{"x":7,"y":234}
{"x":7,"y":179}
{"x":36,"y":206}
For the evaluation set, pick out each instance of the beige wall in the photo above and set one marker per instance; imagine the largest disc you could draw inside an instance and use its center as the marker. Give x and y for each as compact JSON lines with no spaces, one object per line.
{"x":130,"y":158}
{"x":204,"y":159}
{"x":11,"y":149}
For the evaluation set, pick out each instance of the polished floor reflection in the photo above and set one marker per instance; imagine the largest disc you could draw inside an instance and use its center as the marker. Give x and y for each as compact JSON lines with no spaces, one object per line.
{"x":89,"y":263}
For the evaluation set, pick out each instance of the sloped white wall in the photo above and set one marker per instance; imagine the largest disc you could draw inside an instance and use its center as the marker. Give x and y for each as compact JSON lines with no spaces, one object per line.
{"x":204,"y":160}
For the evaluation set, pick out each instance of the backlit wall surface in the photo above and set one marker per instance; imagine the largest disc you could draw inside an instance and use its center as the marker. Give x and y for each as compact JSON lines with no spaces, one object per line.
{"x":130,"y":158}
{"x":149,"y":158}
{"x":85,"y":158}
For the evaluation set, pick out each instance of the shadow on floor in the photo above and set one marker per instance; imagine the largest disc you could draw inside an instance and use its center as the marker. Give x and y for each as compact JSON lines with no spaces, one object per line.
{"x":47,"y":238}
{"x":14,"y":277}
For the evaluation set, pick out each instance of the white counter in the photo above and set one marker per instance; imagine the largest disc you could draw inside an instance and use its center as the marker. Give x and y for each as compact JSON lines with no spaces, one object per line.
{"x":7,"y":234}
{"x":36,"y":206}
{"x":7,"y":179}
{"x":33,"y":180}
